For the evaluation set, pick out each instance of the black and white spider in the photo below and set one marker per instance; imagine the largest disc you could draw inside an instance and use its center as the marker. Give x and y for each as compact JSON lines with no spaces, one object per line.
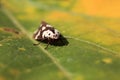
{"x":46,"y":32}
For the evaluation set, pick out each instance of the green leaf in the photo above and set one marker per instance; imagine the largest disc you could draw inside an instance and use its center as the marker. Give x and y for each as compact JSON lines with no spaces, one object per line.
{"x":92,"y":53}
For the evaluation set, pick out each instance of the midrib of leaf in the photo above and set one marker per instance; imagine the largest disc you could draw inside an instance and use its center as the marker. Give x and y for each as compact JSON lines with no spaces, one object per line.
{"x":18,"y":25}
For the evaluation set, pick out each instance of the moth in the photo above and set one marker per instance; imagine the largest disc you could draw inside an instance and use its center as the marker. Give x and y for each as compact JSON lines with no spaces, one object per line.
{"x":46,"y":32}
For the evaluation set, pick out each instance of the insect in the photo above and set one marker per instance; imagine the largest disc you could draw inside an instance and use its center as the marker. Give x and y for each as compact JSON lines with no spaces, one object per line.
{"x":46,"y":32}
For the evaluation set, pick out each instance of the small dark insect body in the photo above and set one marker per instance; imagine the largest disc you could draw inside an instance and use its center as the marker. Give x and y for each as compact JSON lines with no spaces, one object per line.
{"x":46,"y":32}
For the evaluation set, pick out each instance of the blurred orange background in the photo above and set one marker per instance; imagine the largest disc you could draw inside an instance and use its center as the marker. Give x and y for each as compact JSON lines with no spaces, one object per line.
{"x":106,"y":8}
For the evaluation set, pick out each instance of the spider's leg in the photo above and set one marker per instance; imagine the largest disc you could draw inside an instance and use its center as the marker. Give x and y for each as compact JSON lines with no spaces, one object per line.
{"x":48,"y":43}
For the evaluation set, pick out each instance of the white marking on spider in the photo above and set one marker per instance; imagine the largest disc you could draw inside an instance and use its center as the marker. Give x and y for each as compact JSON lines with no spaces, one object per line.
{"x":47,"y":34}
{"x":36,"y":37}
{"x":57,"y":34}
{"x":43,"y":28}
{"x":50,"y":34}
{"x":48,"y":25}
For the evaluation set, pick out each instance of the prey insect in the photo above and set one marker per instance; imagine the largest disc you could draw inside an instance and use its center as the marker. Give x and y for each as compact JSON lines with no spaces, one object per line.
{"x":47,"y":33}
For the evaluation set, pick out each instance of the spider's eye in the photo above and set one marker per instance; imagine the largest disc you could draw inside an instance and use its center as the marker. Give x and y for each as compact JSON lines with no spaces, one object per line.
{"x":49,"y":34}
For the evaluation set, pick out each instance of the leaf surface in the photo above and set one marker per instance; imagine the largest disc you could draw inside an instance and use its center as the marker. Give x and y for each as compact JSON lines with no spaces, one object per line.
{"x":92,"y":52}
